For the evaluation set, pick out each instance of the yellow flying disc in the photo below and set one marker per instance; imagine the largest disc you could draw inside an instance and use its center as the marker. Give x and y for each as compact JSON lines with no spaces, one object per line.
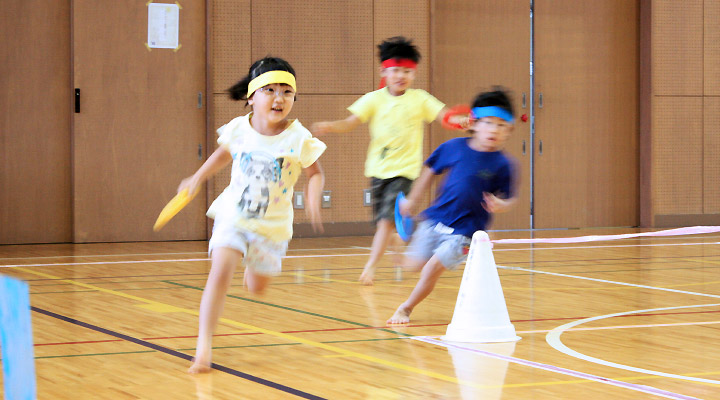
{"x":172,"y":208}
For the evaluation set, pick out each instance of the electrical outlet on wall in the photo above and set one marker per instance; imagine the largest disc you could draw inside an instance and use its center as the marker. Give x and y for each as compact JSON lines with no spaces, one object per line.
{"x":367,"y":197}
{"x":298,"y":200}
{"x":325,"y":200}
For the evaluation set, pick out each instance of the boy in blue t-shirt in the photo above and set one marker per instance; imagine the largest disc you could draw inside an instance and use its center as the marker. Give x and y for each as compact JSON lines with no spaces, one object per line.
{"x":479,"y":180}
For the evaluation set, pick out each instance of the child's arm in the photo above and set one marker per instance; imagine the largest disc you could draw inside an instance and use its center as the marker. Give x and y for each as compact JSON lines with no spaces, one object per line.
{"x":314,"y":189}
{"x":450,"y":117}
{"x":421,"y":184}
{"x":339,"y":126}
{"x":217,"y":161}
{"x":494,"y":204}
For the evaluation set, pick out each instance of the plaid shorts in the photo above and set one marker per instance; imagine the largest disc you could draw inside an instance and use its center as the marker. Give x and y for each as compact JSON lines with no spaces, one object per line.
{"x":433,"y":238}
{"x":384,"y":193}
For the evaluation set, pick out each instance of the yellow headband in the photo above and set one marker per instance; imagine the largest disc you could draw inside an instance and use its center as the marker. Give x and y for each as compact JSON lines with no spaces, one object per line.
{"x":271,"y":77}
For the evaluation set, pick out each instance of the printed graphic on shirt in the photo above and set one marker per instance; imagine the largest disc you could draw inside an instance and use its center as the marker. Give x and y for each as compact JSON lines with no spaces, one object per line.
{"x":258,"y":172}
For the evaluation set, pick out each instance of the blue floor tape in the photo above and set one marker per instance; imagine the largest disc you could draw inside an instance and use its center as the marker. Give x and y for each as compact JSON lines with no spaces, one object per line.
{"x":16,"y":340}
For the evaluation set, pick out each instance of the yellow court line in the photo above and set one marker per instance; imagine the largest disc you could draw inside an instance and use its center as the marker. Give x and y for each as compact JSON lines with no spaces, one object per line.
{"x":339,"y":351}
{"x":317,"y":278}
{"x":286,"y":336}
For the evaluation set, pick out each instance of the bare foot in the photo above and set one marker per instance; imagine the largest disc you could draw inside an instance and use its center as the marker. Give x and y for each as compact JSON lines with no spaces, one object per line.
{"x":401,"y":316}
{"x":366,"y":278}
{"x":199,"y":367}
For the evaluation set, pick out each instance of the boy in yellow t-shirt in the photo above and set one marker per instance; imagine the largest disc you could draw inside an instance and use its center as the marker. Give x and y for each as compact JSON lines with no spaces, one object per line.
{"x":397,"y":115}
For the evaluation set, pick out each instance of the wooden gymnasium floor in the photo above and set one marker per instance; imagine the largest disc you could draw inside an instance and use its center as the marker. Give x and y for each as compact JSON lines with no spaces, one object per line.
{"x":630,"y":319}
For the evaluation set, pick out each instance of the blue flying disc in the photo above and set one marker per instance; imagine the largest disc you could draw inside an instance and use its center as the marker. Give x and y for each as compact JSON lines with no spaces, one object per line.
{"x":403,"y":225}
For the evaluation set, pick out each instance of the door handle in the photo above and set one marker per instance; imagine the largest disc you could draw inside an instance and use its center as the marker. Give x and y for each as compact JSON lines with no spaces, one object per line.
{"x":523,"y":147}
{"x":77,"y":100}
{"x":540,"y":101}
{"x":540,"y":147}
{"x":524,"y":100}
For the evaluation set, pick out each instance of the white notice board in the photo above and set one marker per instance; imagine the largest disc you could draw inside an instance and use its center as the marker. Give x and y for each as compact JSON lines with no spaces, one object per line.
{"x":163,"y":25}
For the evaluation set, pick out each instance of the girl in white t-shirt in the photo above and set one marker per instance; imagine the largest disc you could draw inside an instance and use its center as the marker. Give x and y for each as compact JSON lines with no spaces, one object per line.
{"x":253,"y":215}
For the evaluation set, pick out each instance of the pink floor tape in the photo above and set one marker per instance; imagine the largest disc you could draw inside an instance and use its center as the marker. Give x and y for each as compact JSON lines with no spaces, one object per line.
{"x":692,"y":230}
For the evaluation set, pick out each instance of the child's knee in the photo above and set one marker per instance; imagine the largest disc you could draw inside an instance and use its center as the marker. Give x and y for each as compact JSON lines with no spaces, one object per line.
{"x":256,"y":283}
{"x":413,"y":264}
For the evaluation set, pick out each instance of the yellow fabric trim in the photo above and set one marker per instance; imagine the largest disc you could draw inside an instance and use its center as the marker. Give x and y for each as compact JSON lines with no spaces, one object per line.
{"x":271,"y":77}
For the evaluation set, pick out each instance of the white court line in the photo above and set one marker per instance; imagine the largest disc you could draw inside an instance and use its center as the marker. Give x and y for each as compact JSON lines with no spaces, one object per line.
{"x":102,"y":255}
{"x":608,"y":281}
{"x":560,"y":370}
{"x":162,"y":261}
{"x":553,"y":339}
{"x":599,"y":328}
{"x":327,"y":255}
{"x":604,"y":247}
{"x":162,"y":254}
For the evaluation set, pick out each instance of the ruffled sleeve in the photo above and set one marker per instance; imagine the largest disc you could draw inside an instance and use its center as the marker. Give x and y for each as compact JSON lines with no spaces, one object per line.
{"x":312,"y":149}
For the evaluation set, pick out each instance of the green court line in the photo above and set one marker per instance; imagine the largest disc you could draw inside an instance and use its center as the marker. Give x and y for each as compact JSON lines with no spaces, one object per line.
{"x":295,"y":310}
{"x":97,"y":354}
{"x":294,"y":344}
{"x":214,"y":348}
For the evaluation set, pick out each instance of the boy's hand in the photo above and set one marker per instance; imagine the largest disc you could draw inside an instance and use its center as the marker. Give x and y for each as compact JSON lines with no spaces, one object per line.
{"x":462,"y":121}
{"x":320,"y":128}
{"x":494,"y":204}
{"x":408,"y":207}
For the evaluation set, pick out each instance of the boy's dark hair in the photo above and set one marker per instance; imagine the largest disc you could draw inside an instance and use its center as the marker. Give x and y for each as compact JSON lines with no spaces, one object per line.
{"x":497,"y":96}
{"x":239,"y":90}
{"x":398,"y":47}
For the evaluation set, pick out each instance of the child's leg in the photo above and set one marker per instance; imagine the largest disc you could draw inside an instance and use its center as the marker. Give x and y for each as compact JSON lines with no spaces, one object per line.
{"x":428,"y":278}
{"x":255,"y":282}
{"x":224,"y":260}
{"x":385,"y":228}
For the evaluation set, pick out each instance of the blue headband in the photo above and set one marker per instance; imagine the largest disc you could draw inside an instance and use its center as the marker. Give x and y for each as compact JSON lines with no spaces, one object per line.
{"x":492,"y":111}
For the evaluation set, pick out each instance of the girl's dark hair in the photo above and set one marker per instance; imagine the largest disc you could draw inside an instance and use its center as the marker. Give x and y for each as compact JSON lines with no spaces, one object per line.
{"x":239,"y":90}
{"x":497,"y":96}
{"x":398,"y":47}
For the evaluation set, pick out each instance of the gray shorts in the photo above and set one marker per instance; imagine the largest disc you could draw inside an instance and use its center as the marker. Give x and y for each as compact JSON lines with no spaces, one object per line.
{"x":263,"y":255}
{"x":433,"y":238}
{"x":384,"y":193}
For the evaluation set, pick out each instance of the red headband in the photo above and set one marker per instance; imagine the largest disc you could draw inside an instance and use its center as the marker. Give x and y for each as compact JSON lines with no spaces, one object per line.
{"x":396,"y":62}
{"x":399,"y":62}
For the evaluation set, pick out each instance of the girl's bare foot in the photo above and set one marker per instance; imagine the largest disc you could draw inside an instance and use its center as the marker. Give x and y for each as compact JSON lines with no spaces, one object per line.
{"x":199,"y":367}
{"x":401,"y":316}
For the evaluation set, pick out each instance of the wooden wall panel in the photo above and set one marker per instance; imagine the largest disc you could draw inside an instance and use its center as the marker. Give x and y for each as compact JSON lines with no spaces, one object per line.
{"x":471,"y":53}
{"x":409,"y":18}
{"x":343,"y":161}
{"x":677,"y":155}
{"x":328,"y":42}
{"x":711,"y":155}
{"x":711,"y":54}
{"x":35,"y":166}
{"x":677,"y":47}
{"x":224,"y":110}
{"x":230,"y":42}
{"x":586,"y":68}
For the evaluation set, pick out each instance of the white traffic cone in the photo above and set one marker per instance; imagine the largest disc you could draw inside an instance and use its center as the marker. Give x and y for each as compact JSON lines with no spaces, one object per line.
{"x":480,"y":315}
